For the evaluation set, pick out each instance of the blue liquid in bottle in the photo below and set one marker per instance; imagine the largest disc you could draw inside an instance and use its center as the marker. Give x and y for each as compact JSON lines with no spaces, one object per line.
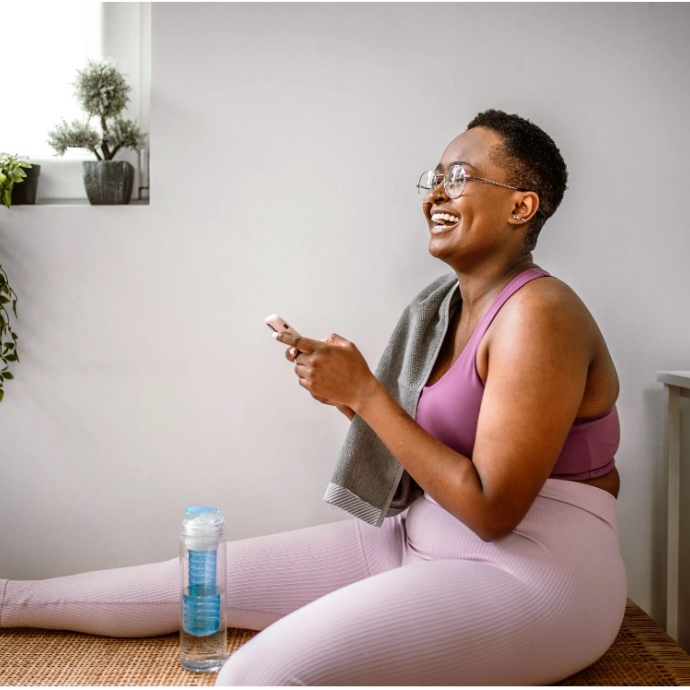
{"x":201,"y":600}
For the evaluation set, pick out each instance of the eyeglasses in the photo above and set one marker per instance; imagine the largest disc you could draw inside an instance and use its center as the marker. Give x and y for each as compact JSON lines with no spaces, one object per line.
{"x":454,"y":183}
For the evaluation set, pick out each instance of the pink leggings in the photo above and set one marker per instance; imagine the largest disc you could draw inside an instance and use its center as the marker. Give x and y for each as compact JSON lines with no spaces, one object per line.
{"x":419,"y":601}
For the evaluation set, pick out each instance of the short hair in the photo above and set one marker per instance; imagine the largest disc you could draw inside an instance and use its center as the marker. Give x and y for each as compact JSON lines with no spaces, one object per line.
{"x":532,"y":161}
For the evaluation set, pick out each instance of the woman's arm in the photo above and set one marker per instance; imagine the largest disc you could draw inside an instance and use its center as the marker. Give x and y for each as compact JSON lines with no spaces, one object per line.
{"x":539,"y":357}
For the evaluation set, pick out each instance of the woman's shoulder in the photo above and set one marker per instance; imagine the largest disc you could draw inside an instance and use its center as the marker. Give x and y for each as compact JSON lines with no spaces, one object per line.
{"x":548,"y":313}
{"x":548,"y":293}
{"x":543,"y":306}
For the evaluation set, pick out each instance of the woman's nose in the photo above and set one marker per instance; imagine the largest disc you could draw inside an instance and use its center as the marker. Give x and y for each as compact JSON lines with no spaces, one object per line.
{"x":438,"y":193}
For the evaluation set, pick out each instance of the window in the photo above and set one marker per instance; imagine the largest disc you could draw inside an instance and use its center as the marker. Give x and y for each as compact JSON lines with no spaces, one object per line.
{"x":48,"y":43}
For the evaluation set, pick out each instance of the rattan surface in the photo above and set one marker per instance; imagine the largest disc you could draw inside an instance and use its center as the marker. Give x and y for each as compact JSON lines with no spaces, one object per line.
{"x":642,"y":654}
{"x":31,"y":657}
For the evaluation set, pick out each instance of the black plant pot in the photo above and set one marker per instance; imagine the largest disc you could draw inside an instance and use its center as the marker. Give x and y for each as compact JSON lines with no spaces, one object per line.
{"x":108,"y":182}
{"x":24,"y":192}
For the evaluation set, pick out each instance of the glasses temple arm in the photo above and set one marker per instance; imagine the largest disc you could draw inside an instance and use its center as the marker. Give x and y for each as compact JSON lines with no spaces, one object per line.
{"x":517,"y":189}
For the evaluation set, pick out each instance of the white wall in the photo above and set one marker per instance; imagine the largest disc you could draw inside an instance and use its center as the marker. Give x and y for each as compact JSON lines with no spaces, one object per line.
{"x":286,"y":143}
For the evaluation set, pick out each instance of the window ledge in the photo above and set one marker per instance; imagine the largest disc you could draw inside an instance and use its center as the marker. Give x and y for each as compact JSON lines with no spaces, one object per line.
{"x":81,"y":202}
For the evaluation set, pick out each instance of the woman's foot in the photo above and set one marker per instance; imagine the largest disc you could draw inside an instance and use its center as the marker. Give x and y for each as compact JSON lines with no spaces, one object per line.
{"x":3,"y":587}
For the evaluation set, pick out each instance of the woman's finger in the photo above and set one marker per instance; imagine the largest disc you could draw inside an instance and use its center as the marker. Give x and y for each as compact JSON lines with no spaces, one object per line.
{"x":291,"y":354}
{"x":301,"y":370}
{"x":299,"y":341}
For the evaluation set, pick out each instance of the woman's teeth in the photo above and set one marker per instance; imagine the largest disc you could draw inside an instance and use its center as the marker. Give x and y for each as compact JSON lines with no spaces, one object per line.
{"x":444,"y":219}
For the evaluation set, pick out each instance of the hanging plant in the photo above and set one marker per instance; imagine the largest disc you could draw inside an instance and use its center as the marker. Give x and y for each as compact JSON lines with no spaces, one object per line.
{"x":8,"y":338}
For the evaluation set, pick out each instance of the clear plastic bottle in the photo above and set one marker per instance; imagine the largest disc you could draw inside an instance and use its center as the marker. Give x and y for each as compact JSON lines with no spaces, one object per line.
{"x":203,"y":628}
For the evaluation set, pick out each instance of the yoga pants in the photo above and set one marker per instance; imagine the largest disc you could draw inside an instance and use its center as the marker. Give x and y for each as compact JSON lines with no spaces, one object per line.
{"x":420,"y":601}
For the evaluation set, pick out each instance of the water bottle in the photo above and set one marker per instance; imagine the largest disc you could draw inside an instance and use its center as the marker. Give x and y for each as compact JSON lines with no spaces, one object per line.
{"x":203,"y":630}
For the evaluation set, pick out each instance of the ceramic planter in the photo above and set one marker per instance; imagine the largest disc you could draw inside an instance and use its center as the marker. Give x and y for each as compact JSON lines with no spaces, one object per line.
{"x":25,"y":191}
{"x":108,"y":182}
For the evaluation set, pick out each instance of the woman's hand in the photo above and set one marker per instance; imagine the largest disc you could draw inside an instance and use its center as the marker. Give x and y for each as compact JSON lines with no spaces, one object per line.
{"x":291,"y":355}
{"x":333,"y":370}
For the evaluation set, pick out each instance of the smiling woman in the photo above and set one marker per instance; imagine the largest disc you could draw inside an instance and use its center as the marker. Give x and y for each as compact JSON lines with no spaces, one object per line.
{"x":500,"y":564}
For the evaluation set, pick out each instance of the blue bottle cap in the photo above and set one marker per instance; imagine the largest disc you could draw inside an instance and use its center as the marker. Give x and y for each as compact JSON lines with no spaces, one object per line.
{"x":197,"y":510}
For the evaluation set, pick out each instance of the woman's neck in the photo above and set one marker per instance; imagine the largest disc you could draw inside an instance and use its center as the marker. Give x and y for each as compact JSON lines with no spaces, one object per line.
{"x":483,"y":284}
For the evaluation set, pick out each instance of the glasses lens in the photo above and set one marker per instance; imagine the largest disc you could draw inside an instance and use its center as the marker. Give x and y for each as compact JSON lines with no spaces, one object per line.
{"x":455,"y":181}
{"x":426,"y":183}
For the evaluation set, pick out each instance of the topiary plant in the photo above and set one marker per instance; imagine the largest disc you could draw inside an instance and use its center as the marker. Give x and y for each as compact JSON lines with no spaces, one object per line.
{"x":102,"y":92}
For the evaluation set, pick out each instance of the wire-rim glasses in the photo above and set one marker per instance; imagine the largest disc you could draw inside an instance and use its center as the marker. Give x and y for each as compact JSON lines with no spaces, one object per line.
{"x":454,"y":183}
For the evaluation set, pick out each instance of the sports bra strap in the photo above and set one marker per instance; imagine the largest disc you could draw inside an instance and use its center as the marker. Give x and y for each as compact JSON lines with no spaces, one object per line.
{"x":513,"y":286}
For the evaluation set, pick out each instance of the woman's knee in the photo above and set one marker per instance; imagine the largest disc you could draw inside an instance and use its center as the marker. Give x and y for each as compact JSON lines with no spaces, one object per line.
{"x":253,"y":665}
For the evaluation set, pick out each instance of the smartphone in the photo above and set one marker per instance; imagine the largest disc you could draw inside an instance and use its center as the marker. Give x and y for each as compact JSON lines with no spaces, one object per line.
{"x":279,"y":325}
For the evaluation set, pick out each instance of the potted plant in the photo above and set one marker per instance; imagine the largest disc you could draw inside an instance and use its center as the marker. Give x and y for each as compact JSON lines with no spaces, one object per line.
{"x":8,"y":338}
{"x":12,"y":172}
{"x":102,"y":93}
{"x":25,"y":193}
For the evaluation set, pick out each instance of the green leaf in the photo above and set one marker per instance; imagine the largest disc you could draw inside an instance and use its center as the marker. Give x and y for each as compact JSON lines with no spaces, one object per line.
{"x":25,"y":164}
{"x":7,"y":198}
{"x":2,"y":394}
{"x":11,"y":358}
{"x":4,"y":300}
{"x":7,"y":375}
{"x":3,"y":177}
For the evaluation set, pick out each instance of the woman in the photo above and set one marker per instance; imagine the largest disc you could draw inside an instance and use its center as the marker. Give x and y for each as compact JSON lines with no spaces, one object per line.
{"x":507,"y":570}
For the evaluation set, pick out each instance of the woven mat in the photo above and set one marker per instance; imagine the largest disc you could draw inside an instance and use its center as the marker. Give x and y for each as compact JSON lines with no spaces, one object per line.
{"x":642,"y":654}
{"x":55,"y":657}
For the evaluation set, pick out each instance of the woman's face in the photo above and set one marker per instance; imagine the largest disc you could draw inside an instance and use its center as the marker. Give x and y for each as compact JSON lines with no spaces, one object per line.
{"x":480,"y":225}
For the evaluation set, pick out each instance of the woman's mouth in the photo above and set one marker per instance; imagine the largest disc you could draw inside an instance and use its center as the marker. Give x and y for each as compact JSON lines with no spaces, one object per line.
{"x":442,"y":222}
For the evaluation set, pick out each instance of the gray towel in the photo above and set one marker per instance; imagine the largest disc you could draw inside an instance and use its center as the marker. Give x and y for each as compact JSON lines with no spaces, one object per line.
{"x":368,"y":481}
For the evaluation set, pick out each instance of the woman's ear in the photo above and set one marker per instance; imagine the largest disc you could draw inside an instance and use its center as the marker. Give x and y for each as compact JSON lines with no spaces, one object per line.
{"x":524,"y":209}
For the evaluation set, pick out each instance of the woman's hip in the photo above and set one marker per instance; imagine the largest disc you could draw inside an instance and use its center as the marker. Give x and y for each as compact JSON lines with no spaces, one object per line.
{"x":568,"y":536}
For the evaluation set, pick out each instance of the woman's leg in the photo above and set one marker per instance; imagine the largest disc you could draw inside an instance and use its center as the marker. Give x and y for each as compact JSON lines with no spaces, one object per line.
{"x":267,"y":578}
{"x":529,"y":609}
{"x":137,"y":601}
{"x":272,"y":576}
{"x":447,"y":622}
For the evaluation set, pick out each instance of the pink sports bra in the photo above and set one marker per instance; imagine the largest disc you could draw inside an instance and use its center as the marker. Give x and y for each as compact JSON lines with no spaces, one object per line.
{"x":449,"y":409}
